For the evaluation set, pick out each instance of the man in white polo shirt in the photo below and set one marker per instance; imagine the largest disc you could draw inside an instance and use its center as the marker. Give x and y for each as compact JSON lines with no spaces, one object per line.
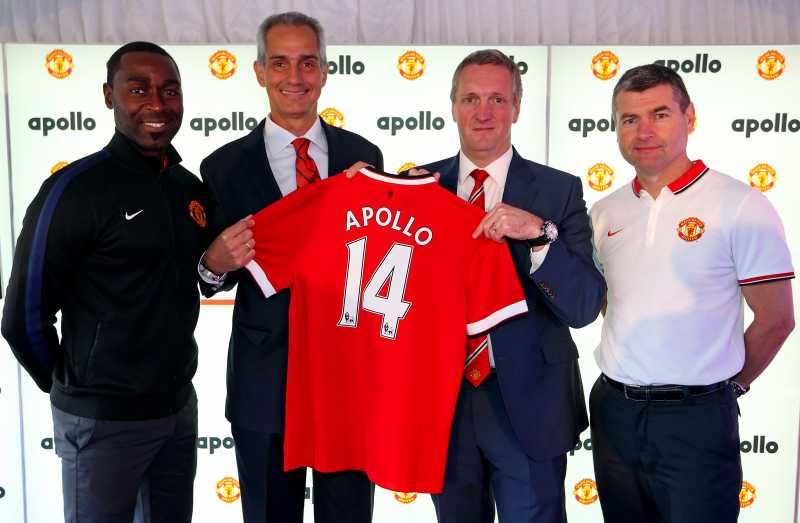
{"x":679,"y":248}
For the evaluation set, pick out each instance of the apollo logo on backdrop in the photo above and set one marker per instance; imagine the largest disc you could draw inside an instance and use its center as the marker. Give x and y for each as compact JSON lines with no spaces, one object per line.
{"x":332,"y":116}
{"x":771,"y":65}
{"x":405,"y":498}
{"x":236,"y":122}
{"x":758,"y":444}
{"x":228,"y":489}
{"x":701,"y":63}
{"x":762,"y":177}
{"x":222,"y":64}
{"x":2,"y":492}
{"x":585,"y":491}
{"x":605,"y":65}
{"x":214,"y":443}
{"x":425,"y":121}
{"x":345,"y":65}
{"x":411,"y":65}
{"x":781,"y":123}
{"x":600,"y":176}
{"x":747,"y":496}
{"x":58,"y":63}
{"x":58,"y":166}
{"x":75,"y":121}
{"x":588,"y":125}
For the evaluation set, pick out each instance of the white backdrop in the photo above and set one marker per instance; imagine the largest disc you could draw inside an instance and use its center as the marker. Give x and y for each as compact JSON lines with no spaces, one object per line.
{"x":367,"y":93}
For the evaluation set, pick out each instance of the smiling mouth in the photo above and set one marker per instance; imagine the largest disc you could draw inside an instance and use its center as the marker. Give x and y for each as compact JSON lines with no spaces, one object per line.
{"x":155,"y":126}
{"x":288,"y":92}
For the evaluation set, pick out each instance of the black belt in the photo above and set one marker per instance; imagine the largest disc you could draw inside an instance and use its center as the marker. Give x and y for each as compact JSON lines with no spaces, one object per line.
{"x":663,"y":392}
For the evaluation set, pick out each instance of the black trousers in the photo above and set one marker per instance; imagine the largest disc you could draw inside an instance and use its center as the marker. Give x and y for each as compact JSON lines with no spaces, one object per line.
{"x":270,"y":495}
{"x":666,"y":461}
{"x":123,"y":471}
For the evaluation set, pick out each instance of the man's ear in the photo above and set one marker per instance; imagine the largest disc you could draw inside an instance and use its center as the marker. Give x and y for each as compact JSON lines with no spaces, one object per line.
{"x":107,"y":96}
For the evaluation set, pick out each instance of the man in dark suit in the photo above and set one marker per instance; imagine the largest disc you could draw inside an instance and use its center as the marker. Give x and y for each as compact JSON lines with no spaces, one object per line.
{"x":512,"y":431}
{"x":291,"y":148}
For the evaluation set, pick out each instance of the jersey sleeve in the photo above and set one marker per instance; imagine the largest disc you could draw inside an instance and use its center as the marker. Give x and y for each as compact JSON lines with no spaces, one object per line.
{"x":278,"y":233}
{"x":759,"y":248}
{"x":494,"y":293}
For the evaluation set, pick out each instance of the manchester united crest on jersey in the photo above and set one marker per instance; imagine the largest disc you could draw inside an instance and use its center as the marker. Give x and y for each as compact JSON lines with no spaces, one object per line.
{"x":691,"y":229}
{"x":197,"y":213}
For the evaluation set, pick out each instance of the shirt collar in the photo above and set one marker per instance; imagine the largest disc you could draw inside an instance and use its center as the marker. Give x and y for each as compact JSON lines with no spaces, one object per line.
{"x":684,"y":181}
{"x":278,"y":138}
{"x":129,"y":152}
{"x":498,"y":169}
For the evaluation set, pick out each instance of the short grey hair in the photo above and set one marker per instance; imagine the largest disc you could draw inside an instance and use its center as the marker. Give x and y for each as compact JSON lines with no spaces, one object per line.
{"x":644,"y":77}
{"x":489,"y":57}
{"x":296,"y":19}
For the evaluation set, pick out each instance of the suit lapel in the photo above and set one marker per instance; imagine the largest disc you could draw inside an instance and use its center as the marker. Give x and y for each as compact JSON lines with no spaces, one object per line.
{"x":333,"y":146}
{"x":256,"y":166}
{"x":520,"y":190}
{"x":449,"y":178}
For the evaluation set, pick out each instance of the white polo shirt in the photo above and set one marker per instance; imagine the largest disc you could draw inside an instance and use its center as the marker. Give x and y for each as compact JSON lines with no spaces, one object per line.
{"x":674,"y":267}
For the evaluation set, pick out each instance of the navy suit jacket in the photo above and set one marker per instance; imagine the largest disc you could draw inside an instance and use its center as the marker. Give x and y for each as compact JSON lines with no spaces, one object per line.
{"x":242,"y":183}
{"x":535,"y":356}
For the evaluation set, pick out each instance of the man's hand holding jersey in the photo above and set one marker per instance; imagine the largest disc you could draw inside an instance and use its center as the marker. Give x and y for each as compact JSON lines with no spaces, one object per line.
{"x":232,"y":249}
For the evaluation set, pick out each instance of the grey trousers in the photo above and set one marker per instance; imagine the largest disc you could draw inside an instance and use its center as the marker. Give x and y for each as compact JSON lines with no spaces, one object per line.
{"x":127,"y":471}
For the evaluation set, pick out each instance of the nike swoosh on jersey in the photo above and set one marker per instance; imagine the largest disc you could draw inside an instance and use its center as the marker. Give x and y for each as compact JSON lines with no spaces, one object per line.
{"x":130,"y":217}
{"x":612,"y":233}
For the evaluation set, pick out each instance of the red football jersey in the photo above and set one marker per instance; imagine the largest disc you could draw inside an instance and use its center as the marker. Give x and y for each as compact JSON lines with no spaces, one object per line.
{"x":386,"y":282}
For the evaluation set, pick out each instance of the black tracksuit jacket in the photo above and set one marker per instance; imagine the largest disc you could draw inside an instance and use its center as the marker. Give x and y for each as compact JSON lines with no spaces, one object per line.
{"x":112,"y":241}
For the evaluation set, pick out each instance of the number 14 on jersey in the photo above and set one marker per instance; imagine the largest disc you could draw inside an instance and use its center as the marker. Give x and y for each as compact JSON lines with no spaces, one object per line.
{"x":394,"y":269}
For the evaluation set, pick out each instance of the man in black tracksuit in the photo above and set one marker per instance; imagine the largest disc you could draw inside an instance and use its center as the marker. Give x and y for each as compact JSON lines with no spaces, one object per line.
{"x":112,"y":241}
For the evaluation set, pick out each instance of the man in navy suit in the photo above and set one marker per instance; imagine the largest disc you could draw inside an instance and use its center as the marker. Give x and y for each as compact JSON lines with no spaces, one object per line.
{"x":511,"y":433}
{"x":244,"y":176}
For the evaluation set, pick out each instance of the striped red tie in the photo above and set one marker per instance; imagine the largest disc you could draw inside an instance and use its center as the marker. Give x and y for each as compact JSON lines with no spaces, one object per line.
{"x":476,"y":367}
{"x":306,"y":168}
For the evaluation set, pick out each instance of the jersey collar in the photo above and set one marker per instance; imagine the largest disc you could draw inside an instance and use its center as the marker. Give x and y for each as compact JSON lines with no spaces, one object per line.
{"x":686,"y":180}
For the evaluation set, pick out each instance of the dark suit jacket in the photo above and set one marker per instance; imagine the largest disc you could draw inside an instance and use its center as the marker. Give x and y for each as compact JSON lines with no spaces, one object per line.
{"x":535,"y":357}
{"x":242,"y":183}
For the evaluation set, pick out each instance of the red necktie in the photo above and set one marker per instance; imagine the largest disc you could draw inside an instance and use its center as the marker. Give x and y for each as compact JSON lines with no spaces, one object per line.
{"x":307,"y":171}
{"x":476,"y":367}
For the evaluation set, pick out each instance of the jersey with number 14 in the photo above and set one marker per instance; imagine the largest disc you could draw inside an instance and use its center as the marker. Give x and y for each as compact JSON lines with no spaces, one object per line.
{"x":386,"y":282}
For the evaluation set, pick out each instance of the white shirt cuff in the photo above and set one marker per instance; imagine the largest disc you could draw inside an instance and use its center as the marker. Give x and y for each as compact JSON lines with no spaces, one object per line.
{"x":207,"y":275}
{"x":537,"y":258}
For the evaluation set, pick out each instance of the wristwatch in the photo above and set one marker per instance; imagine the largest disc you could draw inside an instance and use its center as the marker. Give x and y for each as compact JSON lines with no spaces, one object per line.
{"x":208,"y":275}
{"x":739,"y":389}
{"x":548,"y":236}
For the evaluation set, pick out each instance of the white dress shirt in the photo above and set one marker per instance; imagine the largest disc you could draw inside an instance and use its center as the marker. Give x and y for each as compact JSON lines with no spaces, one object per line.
{"x":281,"y":154}
{"x":281,"y":157}
{"x":493,"y":189}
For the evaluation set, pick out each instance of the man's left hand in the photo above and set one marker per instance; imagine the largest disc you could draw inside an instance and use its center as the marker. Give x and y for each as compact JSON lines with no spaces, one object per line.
{"x":505,"y":221}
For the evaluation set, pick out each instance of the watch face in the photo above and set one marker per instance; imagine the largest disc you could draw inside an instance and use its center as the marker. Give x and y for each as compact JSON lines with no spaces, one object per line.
{"x":551,"y":231}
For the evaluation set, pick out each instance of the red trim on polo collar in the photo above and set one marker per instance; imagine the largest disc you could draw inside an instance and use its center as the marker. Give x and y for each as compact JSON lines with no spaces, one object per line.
{"x":686,"y":180}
